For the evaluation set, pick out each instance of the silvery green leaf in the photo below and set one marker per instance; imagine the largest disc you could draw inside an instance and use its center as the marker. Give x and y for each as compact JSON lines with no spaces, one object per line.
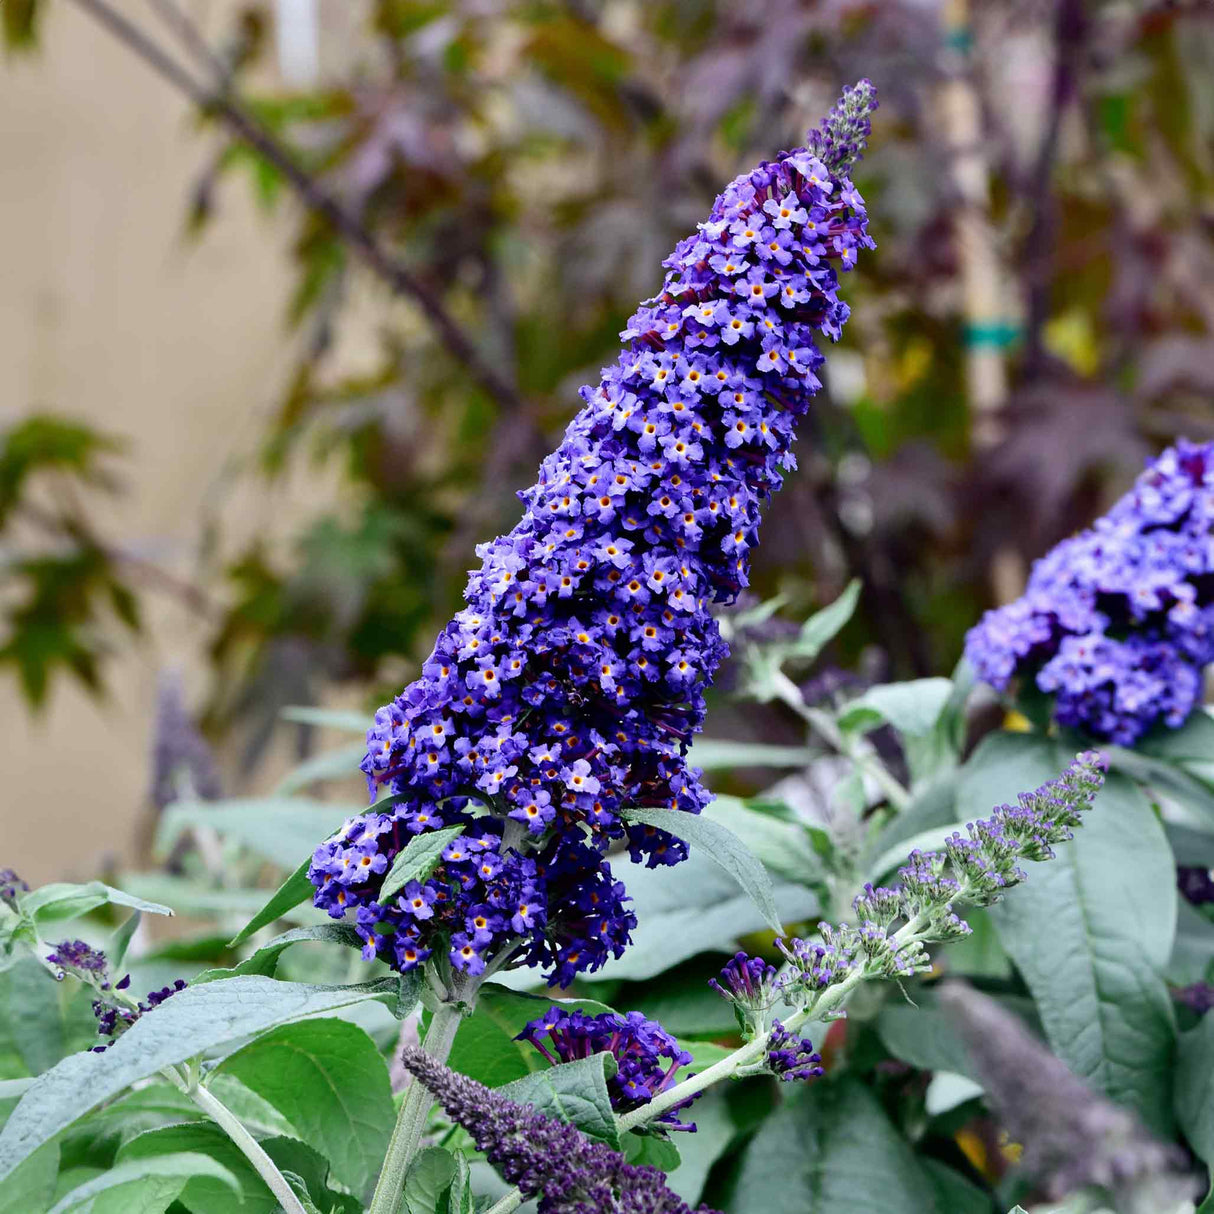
{"x":417,"y":860}
{"x":195,"y":1020}
{"x":265,"y":959}
{"x":1091,"y":930}
{"x":328,"y":718}
{"x":147,"y":1186}
{"x":723,"y":847}
{"x":54,"y":903}
{"x":282,"y":830}
{"x":575,"y":1092}
{"x":326,"y":1077}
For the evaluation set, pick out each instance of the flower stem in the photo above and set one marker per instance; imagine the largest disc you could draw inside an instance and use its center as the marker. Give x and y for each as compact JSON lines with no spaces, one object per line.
{"x":411,"y":1120}
{"x":248,"y":1146}
{"x":852,"y":748}
{"x":744,"y":1056}
{"x":507,"y":1204}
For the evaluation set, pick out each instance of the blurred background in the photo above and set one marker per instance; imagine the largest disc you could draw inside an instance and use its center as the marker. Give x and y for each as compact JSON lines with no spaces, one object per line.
{"x":296,"y":294}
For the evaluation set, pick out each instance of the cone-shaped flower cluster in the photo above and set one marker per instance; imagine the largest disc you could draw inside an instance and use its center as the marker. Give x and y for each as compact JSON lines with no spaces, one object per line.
{"x":570,"y":687}
{"x":547,"y":1159}
{"x":790,"y":1057}
{"x":1118,"y":622}
{"x":646,"y":1055}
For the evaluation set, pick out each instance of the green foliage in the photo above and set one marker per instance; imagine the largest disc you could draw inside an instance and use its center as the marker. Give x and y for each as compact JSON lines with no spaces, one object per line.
{"x":327,"y":1078}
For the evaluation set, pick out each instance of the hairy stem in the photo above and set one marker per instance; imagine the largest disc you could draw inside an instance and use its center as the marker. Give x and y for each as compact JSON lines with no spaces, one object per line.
{"x":507,"y":1204}
{"x":824,"y":724}
{"x":411,"y":1120}
{"x":248,"y":1146}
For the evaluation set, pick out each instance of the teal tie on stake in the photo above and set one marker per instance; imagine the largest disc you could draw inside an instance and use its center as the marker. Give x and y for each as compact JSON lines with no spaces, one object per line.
{"x":991,"y":335}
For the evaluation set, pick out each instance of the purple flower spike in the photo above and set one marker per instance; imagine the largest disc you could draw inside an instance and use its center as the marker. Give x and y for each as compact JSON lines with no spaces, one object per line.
{"x":569,"y":688}
{"x":1117,"y":623}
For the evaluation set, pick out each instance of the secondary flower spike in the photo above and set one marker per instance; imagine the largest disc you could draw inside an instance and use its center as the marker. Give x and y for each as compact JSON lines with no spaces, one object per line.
{"x":546,"y":1158}
{"x":1117,"y":623}
{"x":571,"y":685}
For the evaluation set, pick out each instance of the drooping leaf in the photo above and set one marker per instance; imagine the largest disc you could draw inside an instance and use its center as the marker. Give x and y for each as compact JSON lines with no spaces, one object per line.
{"x":911,"y":708}
{"x":41,"y":1020}
{"x":693,"y":908}
{"x":575,"y":1092}
{"x":265,"y":959}
{"x":294,"y":890}
{"x":724,"y":848}
{"x":59,"y":901}
{"x":327,"y":1078}
{"x":783,"y":847}
{"x":193,"y":1021}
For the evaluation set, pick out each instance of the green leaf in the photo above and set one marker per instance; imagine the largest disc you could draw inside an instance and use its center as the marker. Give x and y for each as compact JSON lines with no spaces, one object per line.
{"x":1091,"y":931}
{"x":911,"y":708}
{"x":823,"y":626}
{"x":328,"y":765}
{"x":715,"y":754}
{"x":693,"y":908}
{"x":330,"y":1082}
{"x":648,"y":1150}
{"x":282,"y":830}
{"x":328,"y":718}
{"x":298,"y":1161}
{"x":724,"y":848}
{"x":429,"y":1180}
{"x":146,"y":1108}
{"x":783,"y":847}
{"x":1167,"y":779}
{"x":715,"y":1130}
{"x":1193,"y":740}
{"x":831,"y":1147}
{"x":1194,"y":1083}
{"x":31,"y":1188}
{"x":294,"y":890}
{"x":52,"y":903}
{"x":954,"y":1193}
{"x":193,"y":1021}
{"x":485,"y":1048}
{"x":417,"y":860}
{"x":148,"y":1186}
{"x":120,"y":941}
{"x":265,"y":959}
{"x":575,"y":1092}
{"x":41,"y":1020}
{"x":202,"y":1193}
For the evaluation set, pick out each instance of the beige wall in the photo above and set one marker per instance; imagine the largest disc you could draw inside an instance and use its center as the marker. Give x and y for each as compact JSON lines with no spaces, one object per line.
{"x":107,"y":311}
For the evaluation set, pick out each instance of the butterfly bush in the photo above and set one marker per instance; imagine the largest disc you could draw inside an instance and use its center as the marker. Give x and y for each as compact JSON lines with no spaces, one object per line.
{"x":1117,"y":623}
{"x":545,"y":1158}
{"x":570,"y":686}
{"x":646,"y":1055}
